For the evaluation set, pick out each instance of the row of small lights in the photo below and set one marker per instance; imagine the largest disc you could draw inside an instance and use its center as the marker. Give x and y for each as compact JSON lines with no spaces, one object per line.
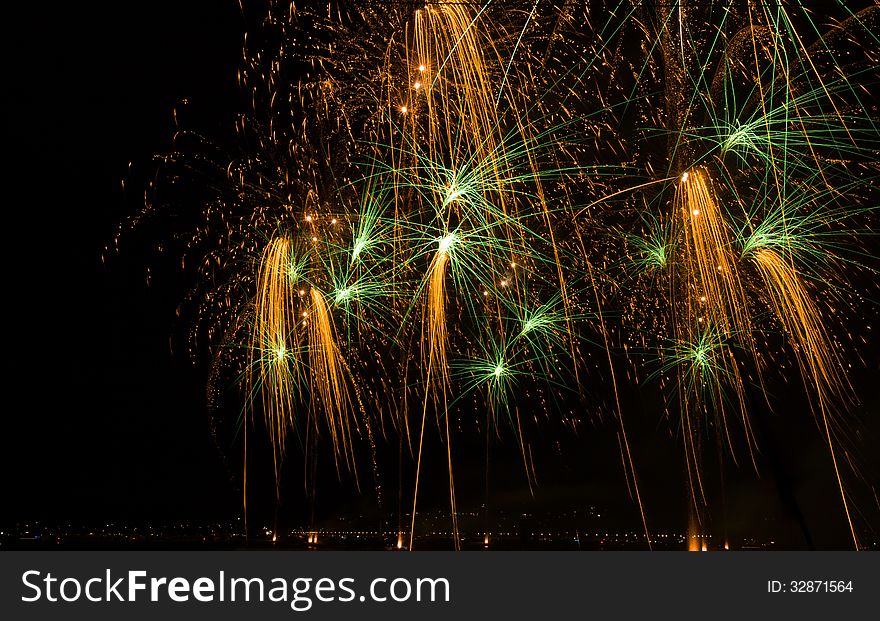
{"x":502,"y":534}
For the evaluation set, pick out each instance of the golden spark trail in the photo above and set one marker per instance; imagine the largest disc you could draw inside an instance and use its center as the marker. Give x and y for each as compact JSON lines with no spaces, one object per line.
{"x":713,"y":299}
{"x":716,"y":291}
{"x":451,"y":71}
{"x":434,"y":339}
{"x":434,"y":332}
{"x":820,"y":366}
{"x":802,"y":321}
{"x":329,"y":379}
{"x":273,"y":349}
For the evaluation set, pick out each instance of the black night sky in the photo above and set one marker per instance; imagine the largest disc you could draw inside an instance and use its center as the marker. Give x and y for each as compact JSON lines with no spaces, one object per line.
{"x":105,"y":417}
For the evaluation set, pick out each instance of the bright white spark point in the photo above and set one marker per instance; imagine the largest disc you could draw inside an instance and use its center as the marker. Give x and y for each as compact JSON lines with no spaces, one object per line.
{"x":343,"y":294}
{"x":333,"y":221}
{"x":421,"y":67}
{"x":305,"y":314}
{"x":359,"y":245}
{"x":453,"y":192}
{"x":696,"y":212}
{"x":685,"y":176}
{"x":314,"y":239}
{"x":503,"y":283}
{"x":513,"y":264}
{"x":498,"y":371}
{"x":445,"y":243}
{"x":702,"y":298}
{"x":417,"y":85}
{"x":485,"y":293}
{"x":302,"y":291}
{"x":281,"y":352}
{"x":403,"y":109}
{"x":308,"y":218}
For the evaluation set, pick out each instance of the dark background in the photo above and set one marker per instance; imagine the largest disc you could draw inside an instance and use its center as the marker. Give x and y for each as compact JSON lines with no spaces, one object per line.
{"x":105,"y":419}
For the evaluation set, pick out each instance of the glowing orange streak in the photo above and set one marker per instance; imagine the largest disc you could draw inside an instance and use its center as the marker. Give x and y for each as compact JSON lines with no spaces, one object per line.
{"x":436,"y":318}
{"x":274,"y":321}
{"x":715,"y":274}
{"x":329,"y":377}
{"x":708,"y":295}
{"x":434,"y":338}
{"x":820,"y":366}
{"x":449,"y":44}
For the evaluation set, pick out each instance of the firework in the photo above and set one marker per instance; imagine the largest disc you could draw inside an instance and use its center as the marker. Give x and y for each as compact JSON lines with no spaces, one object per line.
{"x":440,"y":207}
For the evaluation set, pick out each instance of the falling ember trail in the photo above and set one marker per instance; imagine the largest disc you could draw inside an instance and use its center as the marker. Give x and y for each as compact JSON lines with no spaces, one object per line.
{"x":329,"y":377}
{"x":802,"y":321}
{"x":273,"y":349}
{"x":820,"y":367}
{"x":434,"y":338}
{"x":713,"y":278}
{"x":711,"y":311}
